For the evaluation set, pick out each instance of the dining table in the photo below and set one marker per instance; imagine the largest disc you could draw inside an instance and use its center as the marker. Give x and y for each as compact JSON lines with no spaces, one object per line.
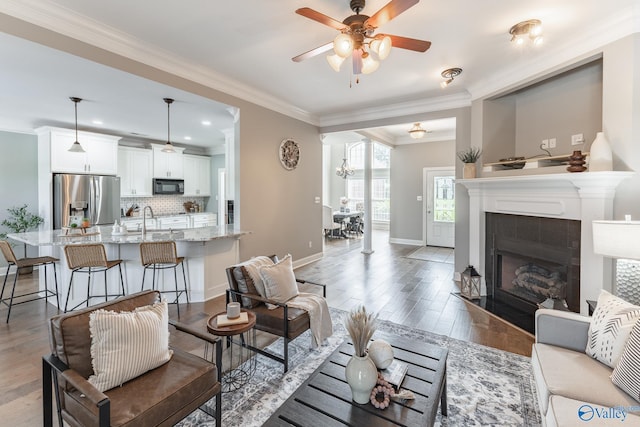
{"x":344,"y":218}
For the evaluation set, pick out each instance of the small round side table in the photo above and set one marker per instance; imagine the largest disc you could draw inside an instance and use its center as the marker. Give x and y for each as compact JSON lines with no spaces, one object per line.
{"x":242,"y":363}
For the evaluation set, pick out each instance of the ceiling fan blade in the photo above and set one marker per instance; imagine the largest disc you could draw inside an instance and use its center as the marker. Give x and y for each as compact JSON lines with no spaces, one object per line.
{"x":410,"y":44}
{"x":321,"y":18}
{"x":389,"y":11}
{"x":313,"y":52}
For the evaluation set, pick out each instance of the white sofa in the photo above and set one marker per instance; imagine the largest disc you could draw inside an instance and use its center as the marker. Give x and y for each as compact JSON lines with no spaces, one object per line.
{"x":569,"y":381}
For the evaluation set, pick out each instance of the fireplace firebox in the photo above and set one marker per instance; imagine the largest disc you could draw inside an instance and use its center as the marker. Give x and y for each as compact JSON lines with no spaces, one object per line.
{"x":531,"y":259}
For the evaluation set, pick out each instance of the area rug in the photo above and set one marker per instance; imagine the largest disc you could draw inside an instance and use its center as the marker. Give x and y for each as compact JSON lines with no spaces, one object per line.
{"x":485,"y":386}
{"x":432,"y":253}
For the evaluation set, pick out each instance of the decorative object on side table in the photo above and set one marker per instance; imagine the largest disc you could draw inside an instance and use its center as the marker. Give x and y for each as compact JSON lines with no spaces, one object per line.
{"x":361,"y":373}
{"x":576,"y":162}
{"x":469,"y":157}
{"x":470,"y":283}
{"x":600,"y":155}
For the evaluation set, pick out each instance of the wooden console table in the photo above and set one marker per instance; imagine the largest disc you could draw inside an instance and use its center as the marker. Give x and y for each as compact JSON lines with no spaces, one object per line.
{"x":324,"y":399}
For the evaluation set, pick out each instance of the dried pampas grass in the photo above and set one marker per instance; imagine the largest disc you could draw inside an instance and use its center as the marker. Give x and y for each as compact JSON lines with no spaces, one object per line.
{"x":361,"y":326}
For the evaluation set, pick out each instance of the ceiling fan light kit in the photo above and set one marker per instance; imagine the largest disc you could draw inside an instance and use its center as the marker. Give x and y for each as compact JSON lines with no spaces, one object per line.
{"x":449,"y":74}
{"x":417,"y":132}
{"x":357,"y":39}
{"x":531,"y":28}
{"x":76,"y":147}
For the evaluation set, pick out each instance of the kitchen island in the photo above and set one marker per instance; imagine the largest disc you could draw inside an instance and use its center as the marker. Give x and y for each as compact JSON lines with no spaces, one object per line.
{"x":207,"y":251}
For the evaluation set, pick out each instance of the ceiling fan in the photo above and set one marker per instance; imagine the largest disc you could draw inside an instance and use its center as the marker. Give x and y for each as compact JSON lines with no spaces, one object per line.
{"x":357,"y":38}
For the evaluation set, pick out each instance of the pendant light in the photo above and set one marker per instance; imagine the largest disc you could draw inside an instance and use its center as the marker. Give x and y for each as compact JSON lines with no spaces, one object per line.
{"x":76,"y":147}
{"x":168,"y":147}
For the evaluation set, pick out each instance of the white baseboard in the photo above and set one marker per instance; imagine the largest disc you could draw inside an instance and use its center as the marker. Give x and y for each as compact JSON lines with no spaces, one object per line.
{"x":405,"y":241}
{"x":307,"y":260}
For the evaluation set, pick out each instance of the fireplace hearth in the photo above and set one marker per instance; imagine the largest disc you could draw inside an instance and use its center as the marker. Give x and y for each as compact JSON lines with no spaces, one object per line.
{"x":529,"y":260}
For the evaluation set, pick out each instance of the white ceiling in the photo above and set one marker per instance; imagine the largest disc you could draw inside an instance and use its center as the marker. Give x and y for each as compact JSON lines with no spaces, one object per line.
{"x":244,"y":48}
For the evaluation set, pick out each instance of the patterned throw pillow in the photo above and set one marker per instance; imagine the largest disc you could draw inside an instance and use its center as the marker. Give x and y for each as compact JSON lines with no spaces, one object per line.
{"x":245,"y":274}
{"x":125,"y":345}
{"x":610,"y":326}
{"x":626,"y":375}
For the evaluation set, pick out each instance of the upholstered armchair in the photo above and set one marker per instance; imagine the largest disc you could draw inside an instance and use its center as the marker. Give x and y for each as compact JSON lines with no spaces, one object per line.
{"x":161,"y":396}
{"x":284,"y":321}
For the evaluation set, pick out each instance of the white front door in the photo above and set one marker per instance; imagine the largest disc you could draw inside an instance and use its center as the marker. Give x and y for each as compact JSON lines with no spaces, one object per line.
{"x":440,"y":207}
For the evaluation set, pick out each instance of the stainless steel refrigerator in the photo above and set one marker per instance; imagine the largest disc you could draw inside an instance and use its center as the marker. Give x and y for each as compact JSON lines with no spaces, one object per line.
{"x":95,"y":197}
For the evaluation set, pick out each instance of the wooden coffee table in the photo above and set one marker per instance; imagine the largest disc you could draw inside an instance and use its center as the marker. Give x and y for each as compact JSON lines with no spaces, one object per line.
{"x":324,"y":399}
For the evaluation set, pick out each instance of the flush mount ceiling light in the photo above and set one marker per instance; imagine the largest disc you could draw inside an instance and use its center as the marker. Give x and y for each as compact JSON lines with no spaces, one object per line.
{"x":449,"y":75}
{"x":531,"y":28}
{"x":417,"y":132}
{"x":168,"y":147}
{"x":76,"y":147}
{"x":357,"y":40}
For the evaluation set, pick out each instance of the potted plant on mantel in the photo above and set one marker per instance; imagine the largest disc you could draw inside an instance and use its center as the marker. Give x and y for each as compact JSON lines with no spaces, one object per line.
{"x":469,"y":157}
{"x":20,"y":221}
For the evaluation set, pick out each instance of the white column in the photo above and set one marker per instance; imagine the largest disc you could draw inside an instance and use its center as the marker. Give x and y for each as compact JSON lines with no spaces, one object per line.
{"x":366,"y":240}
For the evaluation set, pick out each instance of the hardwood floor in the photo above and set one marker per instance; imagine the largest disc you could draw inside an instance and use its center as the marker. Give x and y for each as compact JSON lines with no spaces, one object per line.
{"x":411,"y":292}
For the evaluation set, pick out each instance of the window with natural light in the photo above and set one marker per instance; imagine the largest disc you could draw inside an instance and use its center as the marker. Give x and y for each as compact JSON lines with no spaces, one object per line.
{"x":380,"y":185}
{"x":444,"y":199}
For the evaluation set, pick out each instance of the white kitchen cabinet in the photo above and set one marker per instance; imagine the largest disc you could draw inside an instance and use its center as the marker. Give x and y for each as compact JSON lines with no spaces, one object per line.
{"x":135,"y":223}
{"x":167,"y":165}
{"x":135,"y":169}
{"x":205,"y":219}
{"x":100,"y":156}
{"x":197,"y":175}
{"x":173,"y":222}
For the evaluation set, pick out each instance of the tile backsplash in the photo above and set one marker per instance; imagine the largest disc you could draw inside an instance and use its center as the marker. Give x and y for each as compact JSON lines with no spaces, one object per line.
{"x":161,"y":205}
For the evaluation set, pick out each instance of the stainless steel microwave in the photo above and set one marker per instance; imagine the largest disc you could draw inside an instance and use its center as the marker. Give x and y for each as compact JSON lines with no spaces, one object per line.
{"x":168,"y":186}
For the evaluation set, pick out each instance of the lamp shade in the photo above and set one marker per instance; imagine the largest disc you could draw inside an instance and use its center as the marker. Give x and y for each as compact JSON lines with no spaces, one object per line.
{"x":343,"y":45}
{"x":617,"y":239}
{"x":335,"y":61}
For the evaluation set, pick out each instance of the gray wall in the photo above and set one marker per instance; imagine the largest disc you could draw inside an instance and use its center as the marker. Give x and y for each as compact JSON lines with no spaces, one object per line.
{"x":19,"y":177}
{"x":407,"y":164}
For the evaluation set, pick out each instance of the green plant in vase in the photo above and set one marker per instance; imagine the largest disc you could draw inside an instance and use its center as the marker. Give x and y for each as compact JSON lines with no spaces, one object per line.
{"x":20,"y":221}
{"x":469,"y":157}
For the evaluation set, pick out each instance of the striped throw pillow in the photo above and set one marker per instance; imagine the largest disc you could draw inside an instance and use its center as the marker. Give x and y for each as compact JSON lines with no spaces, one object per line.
{"x":626,"y":375}
{"x":127,"y":344}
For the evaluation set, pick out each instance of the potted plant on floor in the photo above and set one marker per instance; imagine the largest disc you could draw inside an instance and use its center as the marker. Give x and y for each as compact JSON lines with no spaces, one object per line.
{"x":20,"y":221}
{"x":469,"y":157}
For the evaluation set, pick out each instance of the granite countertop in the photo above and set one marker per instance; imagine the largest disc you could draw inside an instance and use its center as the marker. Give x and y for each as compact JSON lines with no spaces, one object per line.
{"x":102,"y":234}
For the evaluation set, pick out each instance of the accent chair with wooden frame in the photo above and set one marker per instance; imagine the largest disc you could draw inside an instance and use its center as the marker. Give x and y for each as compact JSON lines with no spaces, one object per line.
{"x":161,"y":396}
{"x":283,"y":321}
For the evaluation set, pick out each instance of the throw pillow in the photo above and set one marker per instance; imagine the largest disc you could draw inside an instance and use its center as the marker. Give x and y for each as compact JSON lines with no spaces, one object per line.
{"x":125,"y":345}
{"x":252,"y":276}
{"x":610,"y":326}
{"x":279,"y":281}
{"x":626,"y":375}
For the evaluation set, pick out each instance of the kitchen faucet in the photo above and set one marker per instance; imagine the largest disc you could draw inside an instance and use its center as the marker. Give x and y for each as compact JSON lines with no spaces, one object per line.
{"x":144,"y":218}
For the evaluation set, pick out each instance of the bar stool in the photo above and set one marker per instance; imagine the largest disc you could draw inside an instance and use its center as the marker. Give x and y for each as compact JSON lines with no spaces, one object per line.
{"x":89,"y":259}
{"x":7,"y":251}
{"x":160,"y":256}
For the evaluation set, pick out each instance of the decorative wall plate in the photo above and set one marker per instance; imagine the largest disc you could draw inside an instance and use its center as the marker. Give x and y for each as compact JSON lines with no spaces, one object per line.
{"x":289,"y":154}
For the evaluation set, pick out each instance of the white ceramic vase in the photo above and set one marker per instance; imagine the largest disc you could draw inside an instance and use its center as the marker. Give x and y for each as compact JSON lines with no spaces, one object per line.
{"x":361,"y":375}
{"x":469,"y":171}
{"x":600,"y":155}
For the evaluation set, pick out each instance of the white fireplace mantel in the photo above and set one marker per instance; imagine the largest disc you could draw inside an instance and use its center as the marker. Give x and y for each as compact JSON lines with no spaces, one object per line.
{"x":585,"y":196}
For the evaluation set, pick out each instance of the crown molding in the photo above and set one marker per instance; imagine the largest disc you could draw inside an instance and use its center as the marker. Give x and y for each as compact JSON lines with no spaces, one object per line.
{"x":80,"y":27}
{"x":622,"y":23}
{"x":426,"y":105}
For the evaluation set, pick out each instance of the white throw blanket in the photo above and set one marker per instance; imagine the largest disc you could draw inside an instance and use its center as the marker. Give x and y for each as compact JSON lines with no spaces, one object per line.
{"x":320,"y":318}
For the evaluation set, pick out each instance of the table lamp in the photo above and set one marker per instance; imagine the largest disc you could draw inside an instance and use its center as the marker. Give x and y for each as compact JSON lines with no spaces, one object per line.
{"x":621,"y":240}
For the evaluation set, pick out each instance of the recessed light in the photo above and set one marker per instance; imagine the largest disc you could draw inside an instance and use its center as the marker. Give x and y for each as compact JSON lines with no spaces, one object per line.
{"x":206,"y":123}
{"x":97,"y":122}
{"x":188,"y":138}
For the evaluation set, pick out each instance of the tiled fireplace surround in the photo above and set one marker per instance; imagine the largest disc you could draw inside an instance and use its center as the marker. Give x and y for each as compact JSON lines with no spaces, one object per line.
{"x":583,"y":196}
